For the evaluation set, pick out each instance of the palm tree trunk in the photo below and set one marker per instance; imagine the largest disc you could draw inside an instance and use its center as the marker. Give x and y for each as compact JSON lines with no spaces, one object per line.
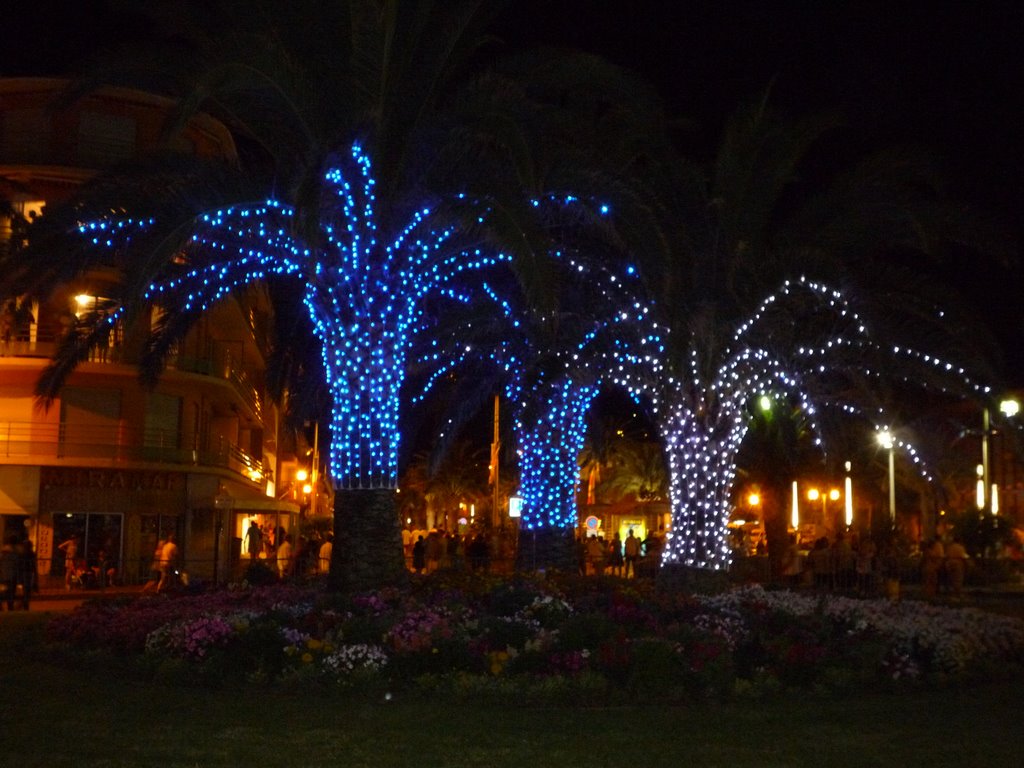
{"x":367,"y":550}
{"x":547,"y":548}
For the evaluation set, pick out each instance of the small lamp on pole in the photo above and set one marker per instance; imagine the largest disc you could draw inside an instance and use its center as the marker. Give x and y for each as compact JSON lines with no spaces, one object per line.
{"x":885,"y":440}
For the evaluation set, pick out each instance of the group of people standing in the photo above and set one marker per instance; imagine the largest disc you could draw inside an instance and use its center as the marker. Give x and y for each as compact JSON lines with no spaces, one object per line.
{"x":17,"y":569}
{"x":944,"y":564}
{"x":857,"y":565}
{"x":619,"y":557}
{"x":301,"y":558}
{"x":429,"y":551}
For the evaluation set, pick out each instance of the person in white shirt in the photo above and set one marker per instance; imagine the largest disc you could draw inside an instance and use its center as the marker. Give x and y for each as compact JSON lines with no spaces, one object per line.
{"x":324,"y":555}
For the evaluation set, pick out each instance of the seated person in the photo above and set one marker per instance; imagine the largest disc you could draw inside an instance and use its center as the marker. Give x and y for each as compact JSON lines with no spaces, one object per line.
{"x":104,"y":570}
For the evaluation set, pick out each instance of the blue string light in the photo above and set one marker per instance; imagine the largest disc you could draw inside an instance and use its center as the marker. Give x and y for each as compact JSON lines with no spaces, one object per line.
{"x":363,"y":295}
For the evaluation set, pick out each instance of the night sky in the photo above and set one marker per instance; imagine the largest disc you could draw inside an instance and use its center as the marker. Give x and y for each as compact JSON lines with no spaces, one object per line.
{"x":947,"y":77}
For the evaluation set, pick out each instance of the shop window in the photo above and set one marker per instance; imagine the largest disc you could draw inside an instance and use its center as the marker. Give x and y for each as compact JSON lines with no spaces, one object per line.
{"x":99,"y":544}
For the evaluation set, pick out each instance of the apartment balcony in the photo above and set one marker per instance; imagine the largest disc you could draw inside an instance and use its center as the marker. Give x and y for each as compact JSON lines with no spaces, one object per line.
{"x":116,"y":445}
{"x":220,"y":363}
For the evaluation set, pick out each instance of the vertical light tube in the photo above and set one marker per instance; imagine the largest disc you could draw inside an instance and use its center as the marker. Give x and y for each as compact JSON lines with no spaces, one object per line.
{"x":848,"y":496}
{"x":795,"y":519}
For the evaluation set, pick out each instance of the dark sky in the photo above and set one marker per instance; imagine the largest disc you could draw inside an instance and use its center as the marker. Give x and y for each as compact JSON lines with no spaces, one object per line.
{"x":945,"y":76}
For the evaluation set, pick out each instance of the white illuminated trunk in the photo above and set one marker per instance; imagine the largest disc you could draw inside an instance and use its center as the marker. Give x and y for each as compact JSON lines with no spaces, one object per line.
{"x":701,"y":454}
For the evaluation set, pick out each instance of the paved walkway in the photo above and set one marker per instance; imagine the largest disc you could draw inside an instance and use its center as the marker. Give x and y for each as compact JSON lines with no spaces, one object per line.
{"x":65,"y":600}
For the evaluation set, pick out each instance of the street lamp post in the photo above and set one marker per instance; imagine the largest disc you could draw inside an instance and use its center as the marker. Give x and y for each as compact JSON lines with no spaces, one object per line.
{"x":1009,"y":408}
{"x":813,"y":494}
{"x":885,"y":440}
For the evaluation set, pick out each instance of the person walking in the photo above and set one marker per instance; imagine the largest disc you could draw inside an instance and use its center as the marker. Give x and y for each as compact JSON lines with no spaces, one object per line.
{"x":70,"y":549}
{"x":168,"y":563}
{"x":254,"y":540}
{"x":155,"y":571}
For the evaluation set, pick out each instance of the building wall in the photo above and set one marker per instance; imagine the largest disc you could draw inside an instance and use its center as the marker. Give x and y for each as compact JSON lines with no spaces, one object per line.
{"x":109,"y":461}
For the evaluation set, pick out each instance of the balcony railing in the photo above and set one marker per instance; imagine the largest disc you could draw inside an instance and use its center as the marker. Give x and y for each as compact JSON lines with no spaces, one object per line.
{"x":118,"y":443}
{"x":219,"y":363}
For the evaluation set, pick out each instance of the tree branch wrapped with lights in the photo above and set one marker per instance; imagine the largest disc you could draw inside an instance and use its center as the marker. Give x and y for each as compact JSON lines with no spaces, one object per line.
{"x":556,"y":364}
{"x":364,"y":297}
{"x":804,"y":341}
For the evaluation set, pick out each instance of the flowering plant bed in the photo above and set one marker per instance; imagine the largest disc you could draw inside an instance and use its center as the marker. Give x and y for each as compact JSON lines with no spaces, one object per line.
{"x":532,"y":640}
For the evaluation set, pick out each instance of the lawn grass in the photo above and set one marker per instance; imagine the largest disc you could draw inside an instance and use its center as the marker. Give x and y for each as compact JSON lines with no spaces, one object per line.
{"x":99,"y":713}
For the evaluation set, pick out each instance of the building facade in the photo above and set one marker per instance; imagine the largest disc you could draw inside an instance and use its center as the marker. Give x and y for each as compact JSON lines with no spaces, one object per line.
{"x":111,"y":464}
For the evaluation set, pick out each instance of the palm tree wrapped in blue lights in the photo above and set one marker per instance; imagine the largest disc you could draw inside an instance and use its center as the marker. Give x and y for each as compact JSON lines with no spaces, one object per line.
{"x":554,"y":363}
{"x":364,"y":293}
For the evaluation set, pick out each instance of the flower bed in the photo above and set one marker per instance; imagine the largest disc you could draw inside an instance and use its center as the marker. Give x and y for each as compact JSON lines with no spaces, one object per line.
{"x":531,"y":640}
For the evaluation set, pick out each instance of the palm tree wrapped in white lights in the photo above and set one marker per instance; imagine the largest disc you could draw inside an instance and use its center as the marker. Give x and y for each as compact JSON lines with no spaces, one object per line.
{"x":804,"y":343}
{"x":727,"y":239}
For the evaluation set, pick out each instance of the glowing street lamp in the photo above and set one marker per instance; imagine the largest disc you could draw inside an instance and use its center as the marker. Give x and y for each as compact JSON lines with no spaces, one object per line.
{"x":987,"y":497}
{"x":813,"y":494}
{"x":885,"y":440}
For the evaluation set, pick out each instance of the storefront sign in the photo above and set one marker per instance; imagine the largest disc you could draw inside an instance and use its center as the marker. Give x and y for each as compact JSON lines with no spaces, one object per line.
{"x":112,"y":479}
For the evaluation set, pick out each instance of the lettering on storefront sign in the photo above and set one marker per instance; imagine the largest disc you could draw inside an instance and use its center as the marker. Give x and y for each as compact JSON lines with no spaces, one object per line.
{"x":111,"y":479}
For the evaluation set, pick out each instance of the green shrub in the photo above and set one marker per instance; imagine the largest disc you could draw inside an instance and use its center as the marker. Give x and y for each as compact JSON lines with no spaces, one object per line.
{"x":585,"y":631}
{"x":259,"y":574}
{"x":656,"y":671}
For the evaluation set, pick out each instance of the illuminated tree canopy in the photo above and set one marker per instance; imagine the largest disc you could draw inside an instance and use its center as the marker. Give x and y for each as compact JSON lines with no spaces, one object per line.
{"x":554,"y":363}
{"x":363,"y":291}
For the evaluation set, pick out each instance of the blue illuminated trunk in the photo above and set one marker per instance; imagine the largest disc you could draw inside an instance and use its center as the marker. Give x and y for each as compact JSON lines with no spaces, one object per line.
{"x":365,"y":376}
{"x":549,"y":445}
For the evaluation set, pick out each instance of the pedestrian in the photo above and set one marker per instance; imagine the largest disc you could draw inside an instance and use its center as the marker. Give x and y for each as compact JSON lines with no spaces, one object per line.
{"x":932,"y":561}
{"x":792,"y":563}
{"x":866,"y":551}
{"x":433,"y":550}
{"x":70,"y":549}
{"x":284,"y":556}
{"x":820,"y":561}
{"x":27,"y":576}
{"x":419,"y":555}
{"x":595,"y":554}
{"x":168,"y":563}
{"x":155,"y":570}
{"x":957,"y":561}
{"x":9,"y":570}
{"x":324,"y":555}
{"x":254,"y":540}
{"x":615,"y":555}
{"x":844,"y":561}
{"x":632,"y":547}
